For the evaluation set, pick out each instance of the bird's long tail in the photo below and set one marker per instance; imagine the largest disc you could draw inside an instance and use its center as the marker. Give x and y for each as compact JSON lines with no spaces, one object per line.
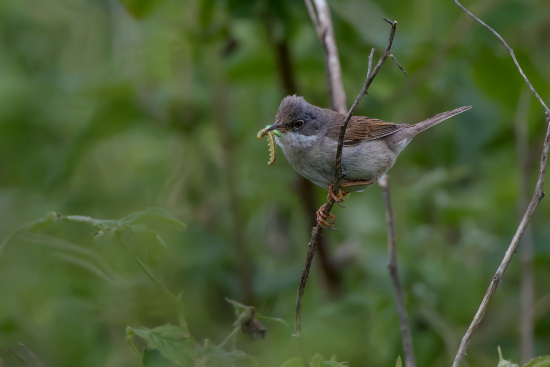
{"x":426,"y":124}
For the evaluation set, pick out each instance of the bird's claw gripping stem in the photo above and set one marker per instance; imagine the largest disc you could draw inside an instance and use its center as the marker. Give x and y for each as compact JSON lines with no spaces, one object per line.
{"x":337,"y":197}
{"x":322,"y":218}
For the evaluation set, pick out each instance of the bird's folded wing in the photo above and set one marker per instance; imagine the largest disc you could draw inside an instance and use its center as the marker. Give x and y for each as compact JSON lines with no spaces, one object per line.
{"x":361,"y":128}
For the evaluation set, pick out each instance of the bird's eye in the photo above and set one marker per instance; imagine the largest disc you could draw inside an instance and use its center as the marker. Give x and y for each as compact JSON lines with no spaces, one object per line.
{"x":298,"y":124}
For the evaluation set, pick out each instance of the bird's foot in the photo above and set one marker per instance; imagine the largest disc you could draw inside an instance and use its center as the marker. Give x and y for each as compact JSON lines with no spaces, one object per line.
{"x":337,"y":197}
{"x":322,"y":218}
{"x":328,"y":220}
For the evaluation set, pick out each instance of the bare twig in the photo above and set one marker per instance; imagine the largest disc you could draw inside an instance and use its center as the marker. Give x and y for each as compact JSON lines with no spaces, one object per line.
{"x":313,"y":16}
{"x":320,"y":17}
{"x":371,"y":55}
{"x":338,"y":167}
{"x":537,"y":197}
{"x":392,"y":267}
{"x":399,"y":65}
{"x":509,"y":50}
{"x":527,"y":315}
{"x":439,"y":56}
{"x":316,"y":232}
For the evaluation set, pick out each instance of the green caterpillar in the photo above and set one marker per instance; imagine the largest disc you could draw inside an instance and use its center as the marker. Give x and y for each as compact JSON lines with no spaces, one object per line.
{"x":270,"y":142}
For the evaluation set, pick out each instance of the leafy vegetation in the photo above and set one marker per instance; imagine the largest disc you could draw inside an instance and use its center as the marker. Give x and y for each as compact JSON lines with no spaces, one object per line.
{"x":112,"y":107}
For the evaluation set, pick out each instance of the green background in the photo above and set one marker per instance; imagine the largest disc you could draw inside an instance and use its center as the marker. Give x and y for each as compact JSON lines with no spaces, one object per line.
{"x":108,"y":108}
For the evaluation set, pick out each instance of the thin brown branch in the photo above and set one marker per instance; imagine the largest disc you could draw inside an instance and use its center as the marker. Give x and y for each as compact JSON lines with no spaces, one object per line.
{"x":339,"y":174}
{"x":392,"y":267}
{"x":399,"y":65}
{"x":319,"y":13}
{"x":440,"y":54}
{"x":330,"y":272}
{"x":313,"y":16}
{"x":316,"y":232}
{"x":537,"y":197}
{"x":527,"y":314}
{"x":371,"y":55}
{"x":509,"y":50}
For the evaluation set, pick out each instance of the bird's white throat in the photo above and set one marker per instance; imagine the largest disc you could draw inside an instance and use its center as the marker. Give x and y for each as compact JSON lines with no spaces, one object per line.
{"x":295,"y":140}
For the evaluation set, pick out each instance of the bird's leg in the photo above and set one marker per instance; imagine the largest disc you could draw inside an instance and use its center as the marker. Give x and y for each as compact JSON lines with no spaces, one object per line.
{"x":338,"y":198}
{"x":322,"y":218}
{"x":357,"y":183}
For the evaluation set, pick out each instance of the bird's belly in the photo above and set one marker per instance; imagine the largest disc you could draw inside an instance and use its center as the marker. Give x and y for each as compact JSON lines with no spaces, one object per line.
{"x":313,"y":161}
{"x":366,"y":161}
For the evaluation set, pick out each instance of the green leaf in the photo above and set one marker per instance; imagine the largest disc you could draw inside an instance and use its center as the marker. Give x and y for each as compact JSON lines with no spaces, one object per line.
{"x":317,"y":360}
{"x":269,"y":318}
{"x":50,"y":217}
{"x":239,"y":307}
{"x":153,"y":215}
{"x":139,"y":8}
{"x":138,"y":223}
{"x":175,"y":343}
{"x":398,"y":363}
{"x":502,"y":362}
{"x":213,"y":356}
{"x":334,"y":363}
{"x":153,"y":358}
{"x":543,"y":361}
{"x":293,"y":362}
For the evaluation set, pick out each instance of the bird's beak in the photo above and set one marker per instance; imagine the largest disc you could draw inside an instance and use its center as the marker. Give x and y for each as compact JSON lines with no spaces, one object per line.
{"x":273,"y":129}
{"x":277,"y":129}
{"x":275,"y":126}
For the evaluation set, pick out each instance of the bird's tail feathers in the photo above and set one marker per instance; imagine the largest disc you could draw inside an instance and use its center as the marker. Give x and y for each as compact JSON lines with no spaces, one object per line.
{"x":426,"y":124}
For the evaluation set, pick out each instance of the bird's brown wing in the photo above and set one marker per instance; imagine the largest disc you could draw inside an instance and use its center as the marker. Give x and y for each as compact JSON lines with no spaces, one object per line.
{"x":361,"y":128}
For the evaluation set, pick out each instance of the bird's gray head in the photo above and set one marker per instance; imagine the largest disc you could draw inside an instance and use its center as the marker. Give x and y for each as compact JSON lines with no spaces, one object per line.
{"x":297,"y":116}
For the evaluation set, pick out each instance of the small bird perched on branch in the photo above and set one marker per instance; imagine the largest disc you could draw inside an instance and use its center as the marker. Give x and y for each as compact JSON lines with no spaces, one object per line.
{"x":308,"y":136}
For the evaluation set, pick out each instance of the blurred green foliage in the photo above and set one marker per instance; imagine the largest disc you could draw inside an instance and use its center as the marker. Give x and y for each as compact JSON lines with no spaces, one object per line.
{"x":108,"y":108}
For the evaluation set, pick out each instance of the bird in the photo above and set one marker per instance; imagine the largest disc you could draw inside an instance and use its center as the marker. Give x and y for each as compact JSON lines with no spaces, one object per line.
{"x":308,"y":136}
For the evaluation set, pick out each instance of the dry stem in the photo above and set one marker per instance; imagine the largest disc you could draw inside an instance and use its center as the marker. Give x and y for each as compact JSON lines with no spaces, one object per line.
{"x":537,"y":196}
{"x":527,"y":317}
{"x":392,"y":267}
{"x":512,"y":54}
{"x":320,"y":17}
{"x":316,"y":232}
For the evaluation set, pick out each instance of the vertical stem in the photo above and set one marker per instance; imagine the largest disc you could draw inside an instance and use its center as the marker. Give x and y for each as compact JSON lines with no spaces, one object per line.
{"x":320,"y":16}
{"x":392,"y":267}
{"x":527,"y":323}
